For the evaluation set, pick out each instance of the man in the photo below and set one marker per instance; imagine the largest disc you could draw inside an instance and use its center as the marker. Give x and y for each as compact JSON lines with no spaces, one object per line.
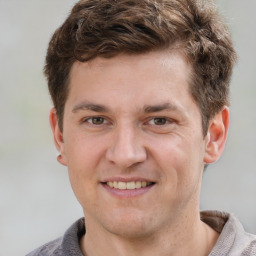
{"x":140,"y":92}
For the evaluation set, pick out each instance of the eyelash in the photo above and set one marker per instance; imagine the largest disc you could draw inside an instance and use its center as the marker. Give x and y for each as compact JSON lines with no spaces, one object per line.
{"x":166,"y":121}
{"x":89,"y":120}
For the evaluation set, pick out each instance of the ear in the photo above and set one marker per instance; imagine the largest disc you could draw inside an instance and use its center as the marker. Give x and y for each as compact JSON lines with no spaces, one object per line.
{"x":57,"y":136}
{"x":216,"y":136}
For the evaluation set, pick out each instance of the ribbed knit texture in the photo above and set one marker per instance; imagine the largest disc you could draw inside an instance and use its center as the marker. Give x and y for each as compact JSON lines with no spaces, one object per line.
{"x":233,"y":240}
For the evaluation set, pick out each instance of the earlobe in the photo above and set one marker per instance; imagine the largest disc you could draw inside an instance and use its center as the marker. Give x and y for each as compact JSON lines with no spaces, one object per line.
{"x":57,"y":136}
{"x":216,"y":136}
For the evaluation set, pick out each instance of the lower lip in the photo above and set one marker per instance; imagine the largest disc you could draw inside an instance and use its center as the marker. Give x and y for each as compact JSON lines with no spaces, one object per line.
{"x":127,"y":193}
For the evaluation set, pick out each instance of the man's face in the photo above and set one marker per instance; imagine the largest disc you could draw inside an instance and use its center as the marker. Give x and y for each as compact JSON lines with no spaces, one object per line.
{"x":130,"y":122}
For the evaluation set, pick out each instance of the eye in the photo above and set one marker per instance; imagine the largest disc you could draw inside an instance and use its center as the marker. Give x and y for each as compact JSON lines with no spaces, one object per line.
{"x":96,"y":120}
{"x":158,"y":121}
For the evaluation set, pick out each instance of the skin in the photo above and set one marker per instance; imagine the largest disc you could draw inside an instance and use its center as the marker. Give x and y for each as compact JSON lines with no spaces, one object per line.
{"x":131,"y":117}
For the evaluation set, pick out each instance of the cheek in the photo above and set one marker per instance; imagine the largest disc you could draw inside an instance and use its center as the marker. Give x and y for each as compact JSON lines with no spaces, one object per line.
{"x":83,"y":151}
{"x":182,"y":160}
{"x":82,"y":161}
{"x":84,"y":184}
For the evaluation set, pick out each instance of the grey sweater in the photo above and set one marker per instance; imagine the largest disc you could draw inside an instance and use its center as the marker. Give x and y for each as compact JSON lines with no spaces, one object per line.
{"x":233,"y":240}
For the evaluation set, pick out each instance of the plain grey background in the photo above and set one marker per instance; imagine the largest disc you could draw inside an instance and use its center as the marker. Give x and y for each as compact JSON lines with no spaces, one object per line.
{"x":36,"y":201}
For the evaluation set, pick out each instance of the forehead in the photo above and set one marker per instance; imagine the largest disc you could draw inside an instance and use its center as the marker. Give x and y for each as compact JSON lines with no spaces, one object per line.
{"x":156,"y":76}
{"x":159,"y":60}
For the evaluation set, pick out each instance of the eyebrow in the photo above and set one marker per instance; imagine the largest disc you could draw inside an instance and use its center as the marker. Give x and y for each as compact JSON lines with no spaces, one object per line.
{"x":103,"y":109}
{"x":90,"y":106}
{"x":160,"y":107}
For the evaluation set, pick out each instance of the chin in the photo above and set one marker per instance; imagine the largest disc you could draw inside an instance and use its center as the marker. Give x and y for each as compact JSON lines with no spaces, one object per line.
{"x":130,"y":225}
{"x":130,"y":230}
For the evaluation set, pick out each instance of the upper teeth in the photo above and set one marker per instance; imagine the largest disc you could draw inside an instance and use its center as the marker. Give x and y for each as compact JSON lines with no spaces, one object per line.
{"x":128,"y":185}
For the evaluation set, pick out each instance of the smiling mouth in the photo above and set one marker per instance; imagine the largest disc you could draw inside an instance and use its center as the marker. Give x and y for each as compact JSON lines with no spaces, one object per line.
{"x":128,"y":185}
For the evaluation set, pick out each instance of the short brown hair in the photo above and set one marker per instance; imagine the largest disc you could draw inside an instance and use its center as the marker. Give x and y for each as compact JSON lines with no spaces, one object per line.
{"x":108,"y":27}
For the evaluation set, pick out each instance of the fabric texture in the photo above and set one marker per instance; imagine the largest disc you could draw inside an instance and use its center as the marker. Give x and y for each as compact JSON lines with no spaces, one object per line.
{"x":233,"y":240}
{"x":68,"y":245}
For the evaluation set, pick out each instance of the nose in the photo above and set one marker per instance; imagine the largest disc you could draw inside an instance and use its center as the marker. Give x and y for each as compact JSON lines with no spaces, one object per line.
{"x":126,"y":148}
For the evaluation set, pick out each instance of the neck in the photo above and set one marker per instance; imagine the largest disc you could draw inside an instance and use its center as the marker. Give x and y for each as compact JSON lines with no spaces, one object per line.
{"x":189,"y":236}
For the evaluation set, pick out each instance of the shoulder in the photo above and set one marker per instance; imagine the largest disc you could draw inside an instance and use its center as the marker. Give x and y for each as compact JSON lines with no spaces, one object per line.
{"x":233,"y":239}
{"x":50,"y":248}
{"x":68,"y":245}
